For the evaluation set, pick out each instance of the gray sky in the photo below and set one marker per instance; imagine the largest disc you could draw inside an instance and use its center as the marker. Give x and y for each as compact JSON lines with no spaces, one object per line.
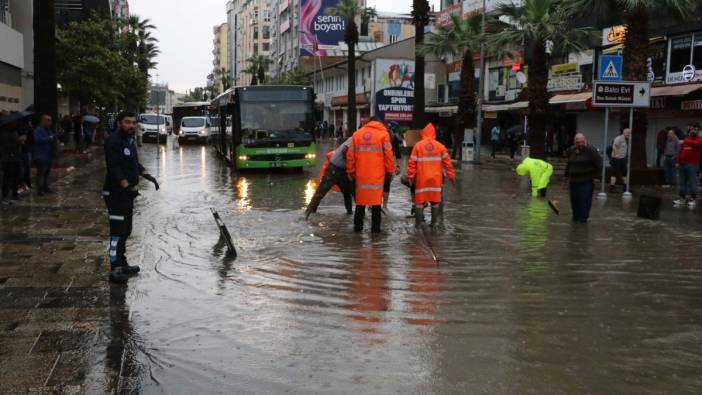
{"x":184,"y":30}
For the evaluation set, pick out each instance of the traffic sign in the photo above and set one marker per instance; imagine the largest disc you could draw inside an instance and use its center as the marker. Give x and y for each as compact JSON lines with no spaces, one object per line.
{"x":610,"y":68}
{"x":621,"y":94}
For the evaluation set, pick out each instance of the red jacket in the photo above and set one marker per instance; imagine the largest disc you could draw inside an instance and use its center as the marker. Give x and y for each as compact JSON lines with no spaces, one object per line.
{"x":690,"y":151}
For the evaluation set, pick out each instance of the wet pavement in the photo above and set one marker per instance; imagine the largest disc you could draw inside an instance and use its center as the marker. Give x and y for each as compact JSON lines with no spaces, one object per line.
{"x":504,"y":297}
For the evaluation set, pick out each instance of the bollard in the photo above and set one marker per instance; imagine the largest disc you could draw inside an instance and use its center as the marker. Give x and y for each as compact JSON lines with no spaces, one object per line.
{"x":224,"y":232}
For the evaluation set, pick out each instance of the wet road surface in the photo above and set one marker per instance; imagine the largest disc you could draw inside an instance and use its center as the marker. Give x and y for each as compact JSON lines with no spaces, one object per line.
{"x":521,"y":301}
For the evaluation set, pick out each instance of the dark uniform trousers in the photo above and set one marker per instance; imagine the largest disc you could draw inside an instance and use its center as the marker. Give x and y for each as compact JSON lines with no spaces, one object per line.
{"x":120,"y":207}
{"x":333,"y":176}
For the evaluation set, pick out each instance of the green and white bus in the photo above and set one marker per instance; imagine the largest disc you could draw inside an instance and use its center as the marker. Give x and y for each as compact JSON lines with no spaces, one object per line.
{"x":265,"y":126}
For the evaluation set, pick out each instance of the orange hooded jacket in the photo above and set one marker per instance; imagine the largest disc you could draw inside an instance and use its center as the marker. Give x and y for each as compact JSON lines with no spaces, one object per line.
{"x":324,"y":171}
{"x":426,"y":164}
{"x":368,"y":159}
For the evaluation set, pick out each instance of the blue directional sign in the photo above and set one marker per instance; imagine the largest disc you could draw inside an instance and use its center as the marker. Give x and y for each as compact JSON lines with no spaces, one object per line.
{"x":610,"y":68}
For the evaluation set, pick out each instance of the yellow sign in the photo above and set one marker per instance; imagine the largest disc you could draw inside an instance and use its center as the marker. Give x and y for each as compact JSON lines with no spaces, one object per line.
{"x":565,"y":68}
{"x":614,"y":35}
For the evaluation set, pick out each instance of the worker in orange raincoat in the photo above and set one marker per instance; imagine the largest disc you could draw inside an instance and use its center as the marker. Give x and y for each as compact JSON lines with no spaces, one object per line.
{"x":425,"y":171}
{"x":369,"y":160}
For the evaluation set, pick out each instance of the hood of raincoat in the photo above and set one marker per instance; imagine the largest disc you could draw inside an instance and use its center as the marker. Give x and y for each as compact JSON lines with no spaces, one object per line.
{"x":523,"y":168}
{"x":428,"y":133}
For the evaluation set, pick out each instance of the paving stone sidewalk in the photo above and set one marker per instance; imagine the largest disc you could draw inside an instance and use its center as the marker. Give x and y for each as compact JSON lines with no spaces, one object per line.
{"x":54,"y":297}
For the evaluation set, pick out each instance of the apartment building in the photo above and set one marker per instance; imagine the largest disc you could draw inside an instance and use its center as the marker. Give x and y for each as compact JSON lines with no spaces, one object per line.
{"x":221,"y":66}
{"x":250,"y":35}
{"x":16,"y":55}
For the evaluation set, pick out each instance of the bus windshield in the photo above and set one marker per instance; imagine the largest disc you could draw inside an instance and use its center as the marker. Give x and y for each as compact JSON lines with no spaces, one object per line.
{"x":150,"y":119}
{"x":282,"y":121}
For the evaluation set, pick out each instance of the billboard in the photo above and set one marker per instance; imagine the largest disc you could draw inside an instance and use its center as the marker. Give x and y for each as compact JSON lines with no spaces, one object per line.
{"x":319,"y":32}
{"x":394,"y":89}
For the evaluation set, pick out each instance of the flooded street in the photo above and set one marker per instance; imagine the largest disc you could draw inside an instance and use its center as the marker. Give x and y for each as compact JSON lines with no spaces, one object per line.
{"x":520,"y":300}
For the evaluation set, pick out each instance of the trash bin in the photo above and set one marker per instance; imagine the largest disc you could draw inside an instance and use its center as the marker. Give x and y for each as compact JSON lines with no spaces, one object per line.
{"x":525,"y":151}
{"x":468,"y":152}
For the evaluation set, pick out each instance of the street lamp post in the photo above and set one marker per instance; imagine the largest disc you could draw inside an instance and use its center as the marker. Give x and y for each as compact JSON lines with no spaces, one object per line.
{"x":481,"y":89}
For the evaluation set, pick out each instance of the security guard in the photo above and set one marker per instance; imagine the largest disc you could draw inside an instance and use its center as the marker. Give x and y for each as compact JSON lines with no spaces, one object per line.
{"x":119,"y":191}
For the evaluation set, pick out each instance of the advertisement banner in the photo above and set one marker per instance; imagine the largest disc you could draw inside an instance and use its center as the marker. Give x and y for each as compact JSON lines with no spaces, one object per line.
{"x":319,"y":32}
{"x":394,"y":89}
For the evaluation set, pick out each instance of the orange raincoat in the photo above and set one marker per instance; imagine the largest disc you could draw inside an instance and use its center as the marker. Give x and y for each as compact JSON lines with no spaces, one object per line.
{"x":368,"y":159}
{"x":322,"y":172}
{"x":426,"y":166}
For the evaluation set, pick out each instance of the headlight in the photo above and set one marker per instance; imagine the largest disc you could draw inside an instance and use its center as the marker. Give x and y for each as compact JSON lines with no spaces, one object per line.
{"x":203,"y":131}
{"x":243,"y":157}
{"x":310,"y":156}
{"x":163,"y":130}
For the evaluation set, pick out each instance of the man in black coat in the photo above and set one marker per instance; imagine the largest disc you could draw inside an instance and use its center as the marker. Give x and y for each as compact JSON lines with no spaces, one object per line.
{"x":119,"y":191}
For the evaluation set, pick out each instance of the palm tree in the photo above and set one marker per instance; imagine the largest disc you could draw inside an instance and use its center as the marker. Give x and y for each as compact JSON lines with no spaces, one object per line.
{"x":225,"y":79}
{"x":462,"y":39}
{"x":635,"y":14}
{"x":254,"y":72}
{"x":420,"y":19}
{"x":536,"y":24}
{"x":350,"y":9}
{"x":367,"y":14}
{"x":258,"y":66}
{"x":45,"y":91}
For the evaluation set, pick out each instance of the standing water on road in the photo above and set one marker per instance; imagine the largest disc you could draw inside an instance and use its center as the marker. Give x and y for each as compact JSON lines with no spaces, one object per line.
{"x":520,"y":300}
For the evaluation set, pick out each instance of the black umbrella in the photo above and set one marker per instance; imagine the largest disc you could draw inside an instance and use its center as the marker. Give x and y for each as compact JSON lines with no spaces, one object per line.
{"x":15,"y":117}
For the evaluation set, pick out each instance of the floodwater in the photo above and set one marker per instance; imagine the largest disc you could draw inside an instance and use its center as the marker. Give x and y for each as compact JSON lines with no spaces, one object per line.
{"x":520,"y":300}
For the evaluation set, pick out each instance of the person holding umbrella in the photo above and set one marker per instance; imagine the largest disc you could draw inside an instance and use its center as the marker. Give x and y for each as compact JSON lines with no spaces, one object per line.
{"x":89,"y":124}
{"x":43,"y":153}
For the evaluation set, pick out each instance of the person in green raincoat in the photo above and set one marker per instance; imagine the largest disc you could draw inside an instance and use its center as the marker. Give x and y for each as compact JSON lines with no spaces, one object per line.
{"x":539,"y":172}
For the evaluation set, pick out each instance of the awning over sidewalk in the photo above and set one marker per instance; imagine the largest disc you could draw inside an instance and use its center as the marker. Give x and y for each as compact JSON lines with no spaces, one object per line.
{"x":506,"y":107}
{"x":571,"y":98}
{"x":675,"y":90}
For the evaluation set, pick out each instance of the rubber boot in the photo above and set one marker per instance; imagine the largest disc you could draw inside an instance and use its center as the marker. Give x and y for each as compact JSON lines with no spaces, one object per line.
{"x":118,"y":276}
{"x":375,"y":219}
{"x":129,"y":269}
{"x":435,"y":215}
{"x":418,"y":216}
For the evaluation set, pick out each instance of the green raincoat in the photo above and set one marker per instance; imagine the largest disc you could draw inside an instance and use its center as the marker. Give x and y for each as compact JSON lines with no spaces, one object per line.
{"x":539,"y":171}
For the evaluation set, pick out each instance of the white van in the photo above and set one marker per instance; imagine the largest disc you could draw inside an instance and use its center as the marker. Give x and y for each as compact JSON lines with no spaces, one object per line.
{"x":194,"y":129}
{"x":153,"y":127}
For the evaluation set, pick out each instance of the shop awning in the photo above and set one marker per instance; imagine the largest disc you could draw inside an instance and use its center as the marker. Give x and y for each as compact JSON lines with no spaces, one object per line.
{"x":506,"y":107}
{"x":571,"y":98}
{"x":451,"y":109}
{"x":343,"y":101}
{"x":675,"y":90}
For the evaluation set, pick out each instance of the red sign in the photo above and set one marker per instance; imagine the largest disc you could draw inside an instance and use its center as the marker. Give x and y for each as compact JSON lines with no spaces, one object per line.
{"x":691,"y":105}
{"x":398,"y":116}
{"x":443,"y":18}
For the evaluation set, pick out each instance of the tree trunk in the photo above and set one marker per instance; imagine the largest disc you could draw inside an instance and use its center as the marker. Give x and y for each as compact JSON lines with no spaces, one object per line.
{"x":418,"y":111}
{"x":465,"y":117}
{"x":351,"y":118}
{"x":45,"y":91}
{"x":538,"y":100}
{"x":635,"y":69}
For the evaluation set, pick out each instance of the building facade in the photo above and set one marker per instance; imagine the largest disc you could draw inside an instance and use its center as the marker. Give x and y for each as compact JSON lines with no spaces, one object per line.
{"x":16,"y":55}
{"x":250,"y":35}
{"x":221,"y":68}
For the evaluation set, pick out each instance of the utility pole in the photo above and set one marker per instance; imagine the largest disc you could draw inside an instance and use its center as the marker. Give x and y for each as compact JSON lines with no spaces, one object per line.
{"x":481,"y":89}
{"x":45,"y":88}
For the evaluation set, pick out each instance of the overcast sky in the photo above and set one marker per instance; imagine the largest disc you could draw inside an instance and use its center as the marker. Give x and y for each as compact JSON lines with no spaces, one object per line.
{"x":184,"y":29}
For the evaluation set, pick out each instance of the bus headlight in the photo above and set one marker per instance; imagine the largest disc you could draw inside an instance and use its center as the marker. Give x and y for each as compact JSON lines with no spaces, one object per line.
{"x":203,"y":131}
{"x":310,"y":156}
{"x":243,"y":157}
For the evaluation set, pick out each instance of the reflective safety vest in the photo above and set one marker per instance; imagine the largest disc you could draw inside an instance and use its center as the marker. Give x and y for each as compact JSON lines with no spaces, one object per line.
{"x":368,"y":160}
{"x":324,"y":171}
{"x":426,"y":166}
{"x":538,"y":171}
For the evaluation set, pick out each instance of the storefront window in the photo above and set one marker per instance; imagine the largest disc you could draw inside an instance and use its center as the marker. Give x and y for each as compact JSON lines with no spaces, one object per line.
{"x":697,"y":52}
{"x":680,"y":53}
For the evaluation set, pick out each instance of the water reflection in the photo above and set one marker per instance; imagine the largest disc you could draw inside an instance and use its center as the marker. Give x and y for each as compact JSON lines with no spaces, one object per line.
{"x":203,"y":162}
{"x":533,"y":232}
{"x":180,"y":161}
{"x":425,"y":284}
{"x":242,"y":187}
{"x":368,"y":292}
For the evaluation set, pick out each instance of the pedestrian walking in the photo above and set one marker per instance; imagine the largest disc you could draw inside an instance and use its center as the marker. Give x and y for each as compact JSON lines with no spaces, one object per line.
{"x":119,"y":191}
{"x":688,"y":161}
{"x":77,"y":131}
{"x":495,"y":139}
{"x":333,"y":176}
{"x":88,"y":133}
{"x":513,"y":136}
{"x":539,"y":173}
{"x":618,"y":161}
{"x":43,"y":153}
{"x":10,"y":155}
{"x":670,"y":153}
{"x":66,"y":127}
{"x":583,"y":167}
{"x":26,"y":136}
{"x":661,"y":139}
{"x":369,"y":162}
{"x":426,"y":167}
